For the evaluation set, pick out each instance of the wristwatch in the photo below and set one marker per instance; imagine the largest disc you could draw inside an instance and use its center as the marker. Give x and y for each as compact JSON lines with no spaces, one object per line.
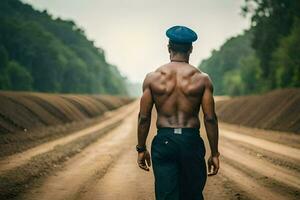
{"x":141,"y":149}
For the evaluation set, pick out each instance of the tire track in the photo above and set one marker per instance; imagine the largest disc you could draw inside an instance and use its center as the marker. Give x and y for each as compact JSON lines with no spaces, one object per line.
{"x":280,"y":174}
{"x":250,"y":186}
{"x":244,"y":163}
{"x":92,"y":163}
{"x":267,"y":145}
{"x":107,"y":169}
{"x":269,"y":156}
{"x":19,"y":159}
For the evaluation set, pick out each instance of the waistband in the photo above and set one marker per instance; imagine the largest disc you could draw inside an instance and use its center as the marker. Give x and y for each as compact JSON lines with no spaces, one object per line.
{"x":169,"y":130}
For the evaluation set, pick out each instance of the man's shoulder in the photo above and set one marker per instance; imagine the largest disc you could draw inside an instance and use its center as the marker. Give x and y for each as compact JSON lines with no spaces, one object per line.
{"x":205,"y":79}
{"x":190,"y":72}
{"x":201,"y":79}
{"x":150,"y":78}
{"x":198,"y":74}
{"x":157,"y":73}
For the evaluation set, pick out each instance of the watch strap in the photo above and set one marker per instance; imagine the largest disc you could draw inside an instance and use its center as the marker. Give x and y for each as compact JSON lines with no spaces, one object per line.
{"x":141,"y":148}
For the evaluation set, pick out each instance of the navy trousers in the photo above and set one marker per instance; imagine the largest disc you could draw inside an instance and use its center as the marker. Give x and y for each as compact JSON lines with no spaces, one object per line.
{"x":178,"y":164}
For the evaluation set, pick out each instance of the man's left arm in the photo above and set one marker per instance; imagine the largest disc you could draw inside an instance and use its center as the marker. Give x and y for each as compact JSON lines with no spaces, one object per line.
{"x":144,"y":121}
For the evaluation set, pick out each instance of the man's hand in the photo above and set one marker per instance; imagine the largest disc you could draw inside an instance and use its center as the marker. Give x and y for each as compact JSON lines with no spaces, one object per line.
{"x":213,"y":162}
{"x":143,"y":158}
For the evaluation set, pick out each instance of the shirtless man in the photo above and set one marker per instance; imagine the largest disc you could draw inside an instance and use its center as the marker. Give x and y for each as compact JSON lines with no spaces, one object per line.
{"x":177,"y":90}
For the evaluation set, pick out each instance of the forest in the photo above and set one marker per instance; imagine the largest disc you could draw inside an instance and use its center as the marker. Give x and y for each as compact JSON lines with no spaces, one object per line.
{"x":263,"y":58}
{"x":40,"y":53}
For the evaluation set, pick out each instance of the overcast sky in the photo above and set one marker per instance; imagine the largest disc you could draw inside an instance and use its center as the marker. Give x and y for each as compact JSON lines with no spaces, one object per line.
{"x":132,"y":32}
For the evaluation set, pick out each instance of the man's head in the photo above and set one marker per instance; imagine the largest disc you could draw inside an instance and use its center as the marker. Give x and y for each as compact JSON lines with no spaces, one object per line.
{"x":181,"y":39}
{"x":181,"y":48}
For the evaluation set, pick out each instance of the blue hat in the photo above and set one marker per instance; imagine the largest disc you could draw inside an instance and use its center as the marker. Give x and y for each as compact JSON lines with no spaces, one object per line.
{"x":181,"y":34}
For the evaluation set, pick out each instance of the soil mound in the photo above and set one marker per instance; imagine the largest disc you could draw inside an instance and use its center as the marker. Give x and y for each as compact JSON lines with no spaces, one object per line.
{"x":277,"y":110}
{"x":23,"y":111}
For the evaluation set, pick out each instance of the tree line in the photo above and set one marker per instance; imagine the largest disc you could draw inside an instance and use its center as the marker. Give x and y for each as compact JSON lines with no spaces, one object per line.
{"x":263,"y":58}
{"x":40,"y":53}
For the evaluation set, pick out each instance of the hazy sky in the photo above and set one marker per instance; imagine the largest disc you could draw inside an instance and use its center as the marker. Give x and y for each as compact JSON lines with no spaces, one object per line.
{"x":132,"y":32}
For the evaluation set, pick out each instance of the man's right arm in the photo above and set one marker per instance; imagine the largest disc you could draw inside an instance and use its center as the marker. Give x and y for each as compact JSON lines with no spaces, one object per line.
{"x":211,"y":126}
{"x":144,"y":121}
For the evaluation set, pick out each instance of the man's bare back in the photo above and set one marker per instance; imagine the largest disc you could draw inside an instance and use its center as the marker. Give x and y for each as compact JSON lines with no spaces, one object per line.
{"x":176,"y":89}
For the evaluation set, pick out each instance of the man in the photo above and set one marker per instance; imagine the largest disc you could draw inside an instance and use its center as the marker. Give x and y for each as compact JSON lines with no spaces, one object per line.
{"x":177,"y":89}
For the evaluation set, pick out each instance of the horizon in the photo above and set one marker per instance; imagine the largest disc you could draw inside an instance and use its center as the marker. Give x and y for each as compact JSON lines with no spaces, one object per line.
{"x":146,"y":46}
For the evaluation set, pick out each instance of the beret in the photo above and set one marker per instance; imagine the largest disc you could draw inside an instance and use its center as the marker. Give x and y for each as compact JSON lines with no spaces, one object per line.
{"x":181,"y":34}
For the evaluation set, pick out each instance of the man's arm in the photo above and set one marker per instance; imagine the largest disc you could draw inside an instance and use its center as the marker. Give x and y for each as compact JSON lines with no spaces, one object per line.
{"x":211,"y":126}
{"x":144,"y":121}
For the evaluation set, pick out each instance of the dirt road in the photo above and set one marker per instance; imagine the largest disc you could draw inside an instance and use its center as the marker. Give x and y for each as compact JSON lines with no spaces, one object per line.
{"x":254,"y":165}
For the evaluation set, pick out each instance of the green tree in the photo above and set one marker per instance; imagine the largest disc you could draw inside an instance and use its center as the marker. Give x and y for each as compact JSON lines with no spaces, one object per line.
{"x":233,"y":82}
{"x":55,"y":52}
{"x":4,"y":79}
{"x":271,"y":21}
{"x":3,"y":57}
{"x":286,"y":59}
{"x":251,"y":74}
{"x":226,"y":62}
{"x":19,"y":77}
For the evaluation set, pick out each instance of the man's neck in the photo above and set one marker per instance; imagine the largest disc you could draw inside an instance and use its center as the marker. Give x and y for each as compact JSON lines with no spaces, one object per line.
{"x":179,"y":58}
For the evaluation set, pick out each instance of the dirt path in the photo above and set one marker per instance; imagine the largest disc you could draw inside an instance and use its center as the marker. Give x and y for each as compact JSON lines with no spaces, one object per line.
{"x":251,"y":168}
{"x":267,"y":145}
{"x":92,"y":163}
{"x":19,"y":159}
